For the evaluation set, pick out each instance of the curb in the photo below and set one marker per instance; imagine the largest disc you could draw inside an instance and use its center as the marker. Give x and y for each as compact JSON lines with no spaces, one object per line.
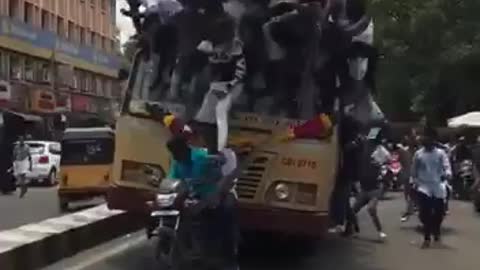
{"x":37,"y":245}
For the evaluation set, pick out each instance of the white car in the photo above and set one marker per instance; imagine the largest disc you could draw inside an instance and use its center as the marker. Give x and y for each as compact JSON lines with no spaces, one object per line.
{"x":46,"y":162}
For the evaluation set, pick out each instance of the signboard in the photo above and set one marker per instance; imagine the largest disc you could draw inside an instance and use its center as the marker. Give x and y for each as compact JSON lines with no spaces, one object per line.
{"x":42,"y":101}
{"x":16,"y":29}
{"x":82,"y":103}
{"x":79,"y":103}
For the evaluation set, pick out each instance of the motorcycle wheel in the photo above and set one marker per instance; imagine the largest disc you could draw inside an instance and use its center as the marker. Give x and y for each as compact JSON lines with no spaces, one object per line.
{"x":164,"y":247}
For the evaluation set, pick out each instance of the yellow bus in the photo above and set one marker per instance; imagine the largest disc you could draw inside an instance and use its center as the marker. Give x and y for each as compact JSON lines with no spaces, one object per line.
{"x":284,"y":188}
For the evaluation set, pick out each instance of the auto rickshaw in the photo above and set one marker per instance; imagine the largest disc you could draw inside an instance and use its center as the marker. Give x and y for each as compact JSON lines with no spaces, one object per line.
{"x":87,"y":157}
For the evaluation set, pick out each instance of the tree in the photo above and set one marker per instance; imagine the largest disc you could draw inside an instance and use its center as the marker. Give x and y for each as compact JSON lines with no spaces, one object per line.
{"x":431,"y":55}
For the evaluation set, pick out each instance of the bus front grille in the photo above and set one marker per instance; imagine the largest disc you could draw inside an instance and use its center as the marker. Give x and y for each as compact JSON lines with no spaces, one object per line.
{"x":248,"y":183}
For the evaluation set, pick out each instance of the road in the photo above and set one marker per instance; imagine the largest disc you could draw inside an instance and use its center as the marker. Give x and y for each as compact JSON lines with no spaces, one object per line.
{"x":401,"y":250}
{"x":39,"y":203}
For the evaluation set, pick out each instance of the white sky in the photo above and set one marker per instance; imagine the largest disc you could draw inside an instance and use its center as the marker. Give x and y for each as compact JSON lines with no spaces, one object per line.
{"x":124,"y":23}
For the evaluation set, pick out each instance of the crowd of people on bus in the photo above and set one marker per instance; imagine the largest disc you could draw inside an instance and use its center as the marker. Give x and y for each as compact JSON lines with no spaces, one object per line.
{"x":287,"y":57}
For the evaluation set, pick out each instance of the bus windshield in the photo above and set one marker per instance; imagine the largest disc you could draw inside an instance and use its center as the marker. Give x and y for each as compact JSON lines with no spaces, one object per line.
{"x":191,"y":96}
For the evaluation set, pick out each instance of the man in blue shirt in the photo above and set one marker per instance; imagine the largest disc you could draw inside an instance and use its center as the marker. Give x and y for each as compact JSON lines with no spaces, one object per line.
{"x":430,"y":170}
{"x":194,"y":166}
{"x":216,"y":236}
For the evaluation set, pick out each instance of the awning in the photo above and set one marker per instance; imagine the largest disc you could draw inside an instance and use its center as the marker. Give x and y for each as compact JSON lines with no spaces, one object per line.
{"x":471,"y":119}
{"x":26,"y":117}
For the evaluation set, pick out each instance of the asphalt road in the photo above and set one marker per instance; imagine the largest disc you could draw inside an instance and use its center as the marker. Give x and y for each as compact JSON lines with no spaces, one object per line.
{"x":39,"y":203}
{"x":400,"y":251}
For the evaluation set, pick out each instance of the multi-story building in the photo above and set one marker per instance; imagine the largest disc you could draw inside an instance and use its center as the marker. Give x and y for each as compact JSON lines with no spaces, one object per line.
{"x":59,"y":56}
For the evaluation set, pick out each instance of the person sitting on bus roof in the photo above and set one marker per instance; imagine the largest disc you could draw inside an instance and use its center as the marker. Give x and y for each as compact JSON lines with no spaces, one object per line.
{"x":316,"y":128}
{"x":227,"y":72}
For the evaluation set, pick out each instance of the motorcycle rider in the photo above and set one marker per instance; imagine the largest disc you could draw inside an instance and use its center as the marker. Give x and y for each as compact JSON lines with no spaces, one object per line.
{"x":202,"y":173}
{"x":461,"y":152}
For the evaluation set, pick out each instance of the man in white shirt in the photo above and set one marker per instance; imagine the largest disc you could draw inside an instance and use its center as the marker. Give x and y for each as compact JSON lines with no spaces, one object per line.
{"x":430,"y":170}
{"x":381,"y":155}
{"x":22,"y":163}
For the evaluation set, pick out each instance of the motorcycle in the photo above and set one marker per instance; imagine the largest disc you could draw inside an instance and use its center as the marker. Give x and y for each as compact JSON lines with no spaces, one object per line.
{"x":465,"y":180}
{"x":394,"y":170}
{"x":167,"y":219}
{"x":180,"y":230}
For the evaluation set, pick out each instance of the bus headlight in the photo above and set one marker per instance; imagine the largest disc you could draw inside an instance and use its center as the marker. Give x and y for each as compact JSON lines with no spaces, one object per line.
{"x":282,"y":192}
{"x":148,"y":174}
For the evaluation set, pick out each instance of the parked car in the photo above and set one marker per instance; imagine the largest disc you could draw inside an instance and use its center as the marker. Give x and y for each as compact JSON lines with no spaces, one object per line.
{"x":46,"y":162}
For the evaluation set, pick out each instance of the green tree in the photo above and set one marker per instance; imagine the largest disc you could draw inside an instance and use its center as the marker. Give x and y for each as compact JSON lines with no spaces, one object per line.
{"x":431,"y":53}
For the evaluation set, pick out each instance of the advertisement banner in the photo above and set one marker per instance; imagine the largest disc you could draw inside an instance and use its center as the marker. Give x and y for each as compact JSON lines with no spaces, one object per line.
{"x":79,"y":103}
{"x":47,"y":40}
{"x":42,"y":101}
{"x":82,"y":103}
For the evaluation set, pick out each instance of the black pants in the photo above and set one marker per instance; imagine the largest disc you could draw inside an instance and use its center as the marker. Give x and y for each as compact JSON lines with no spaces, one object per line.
{"x":432,"y":211}
{"x":212,"y":235}
{"x":363,"y":199}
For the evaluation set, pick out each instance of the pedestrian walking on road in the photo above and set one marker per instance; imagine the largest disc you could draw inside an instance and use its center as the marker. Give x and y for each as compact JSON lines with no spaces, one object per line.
{"x":371,"y":189}
{"x":430,"y":169}
{"x":22,"y":163}
{"x":406,"y":151}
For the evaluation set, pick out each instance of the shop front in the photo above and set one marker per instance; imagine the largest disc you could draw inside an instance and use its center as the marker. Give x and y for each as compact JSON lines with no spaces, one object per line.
{"x":5,"y":93}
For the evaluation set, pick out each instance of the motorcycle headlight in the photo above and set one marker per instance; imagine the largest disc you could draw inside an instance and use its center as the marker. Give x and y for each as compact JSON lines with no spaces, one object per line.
{"x":165,"y":200}
{"x":282,"y":192}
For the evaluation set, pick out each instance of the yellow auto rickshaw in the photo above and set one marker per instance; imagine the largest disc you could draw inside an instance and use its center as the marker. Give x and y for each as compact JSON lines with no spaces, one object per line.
{"x":85,"y":167}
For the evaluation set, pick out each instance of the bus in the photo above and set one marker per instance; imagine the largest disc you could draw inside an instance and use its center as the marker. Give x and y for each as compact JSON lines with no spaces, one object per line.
{"x":284,"y":187}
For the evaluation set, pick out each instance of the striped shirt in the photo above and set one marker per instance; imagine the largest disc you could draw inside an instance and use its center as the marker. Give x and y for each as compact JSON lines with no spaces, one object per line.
{"x":228,"y":66}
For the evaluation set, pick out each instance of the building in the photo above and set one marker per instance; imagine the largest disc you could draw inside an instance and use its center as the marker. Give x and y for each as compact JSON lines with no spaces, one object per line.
{"x":59,"y":56}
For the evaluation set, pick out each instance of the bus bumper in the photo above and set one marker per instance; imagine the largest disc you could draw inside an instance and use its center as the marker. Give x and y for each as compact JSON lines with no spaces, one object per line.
{"x":77,"y":194}
{"x":284,"y":221}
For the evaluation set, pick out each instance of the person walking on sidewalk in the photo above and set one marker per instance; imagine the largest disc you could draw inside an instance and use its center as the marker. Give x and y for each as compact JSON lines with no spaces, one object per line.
{"x":22,"y":163}
{"x":430,"y":169}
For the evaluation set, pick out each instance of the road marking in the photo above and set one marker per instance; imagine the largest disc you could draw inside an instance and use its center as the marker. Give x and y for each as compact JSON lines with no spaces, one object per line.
{"x":135,"y":240}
